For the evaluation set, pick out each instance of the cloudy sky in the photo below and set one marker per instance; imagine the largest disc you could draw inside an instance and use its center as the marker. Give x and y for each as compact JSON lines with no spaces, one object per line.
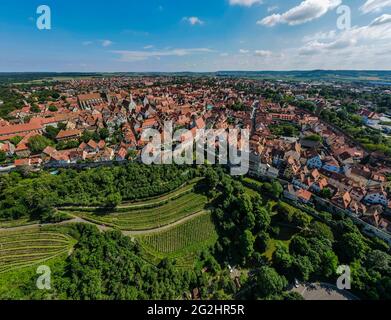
{"x":196,"y":35}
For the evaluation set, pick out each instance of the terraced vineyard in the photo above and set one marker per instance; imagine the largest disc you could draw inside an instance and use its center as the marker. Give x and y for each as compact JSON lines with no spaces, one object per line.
{"x":182,"y":241}
{"x":141,"y":218}
{"x":24,"y":249}
{"x":164,"y":198}
{"x":150,"y":202}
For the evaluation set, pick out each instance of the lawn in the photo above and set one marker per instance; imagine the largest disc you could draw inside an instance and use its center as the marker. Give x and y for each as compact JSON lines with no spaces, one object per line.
{"x":182,"y":242}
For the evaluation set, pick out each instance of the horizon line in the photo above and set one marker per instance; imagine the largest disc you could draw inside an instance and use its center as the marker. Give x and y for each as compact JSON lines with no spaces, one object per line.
{"x":218,"y":71}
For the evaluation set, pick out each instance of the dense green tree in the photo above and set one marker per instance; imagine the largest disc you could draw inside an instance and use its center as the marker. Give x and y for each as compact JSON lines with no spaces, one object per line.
{"x":247,"y":244}
{"x":262,"y":217}
{"x":269,"y":283}
{"x":3,"y":156}
{"x":303,"y":267}
{"x":53,"y":108}
{"x":90,"y":135}
{"x":301,"y":219}
{"x":282,"y":260}
{"x":15,"y":140}
{"x":107,"y":266}
{"x":261,"y":241}
{"x":35,"y":109}
{"x":353,"y":246}
{"x":326,"y":193}
{"x":277,"y":189}
{"x":211,"y":178}
{"x":113,"y":200}
{"x":321,"y":230}
{"x":38,"y":143}
{"x":104,"y":133}
{"x":379,"y":261}
{"x":329,"y":263}
{"x":51,"y":132}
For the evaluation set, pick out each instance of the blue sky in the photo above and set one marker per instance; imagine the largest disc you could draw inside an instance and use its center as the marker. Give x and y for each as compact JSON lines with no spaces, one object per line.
{"x":195,"y":35}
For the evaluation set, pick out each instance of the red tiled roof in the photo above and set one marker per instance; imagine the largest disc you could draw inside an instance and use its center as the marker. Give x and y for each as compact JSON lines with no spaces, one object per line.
{"x":49,"y":151}
{"x":20,"y":128}
{"x":304,"y":194}
{"x":22,"y":162}
{"x":122,"y":153}
{"x":92,"y":144}
{"x":90,"y":96}
{"x":68,"y":133}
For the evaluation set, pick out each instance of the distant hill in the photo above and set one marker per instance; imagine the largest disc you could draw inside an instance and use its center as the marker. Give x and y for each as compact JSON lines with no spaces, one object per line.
{"x":368,"y":76}
{"x":319,"y":75}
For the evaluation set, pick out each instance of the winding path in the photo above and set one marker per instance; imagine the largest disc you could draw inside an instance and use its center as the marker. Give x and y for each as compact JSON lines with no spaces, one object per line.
{"x":102,"y":227}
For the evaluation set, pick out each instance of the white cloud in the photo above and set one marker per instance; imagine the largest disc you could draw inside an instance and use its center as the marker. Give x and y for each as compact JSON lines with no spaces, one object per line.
{"x":193,"y":20}
{"x":306,"y":11}
{"x":317,"y":47}
{"x":224,"y":54}
{"x":321,"y":36}
{"x":369,"y":36}
{"x":263,"y":53}
{"x":384,"y":19}
{"x":149,"y":47}
{"x":362,"y":47}
{"x":129,"y":56}
{"x":106,"y":43}
{"x":272,"y":8}
{"x":246,"y":3}
{"x":375,"y":5}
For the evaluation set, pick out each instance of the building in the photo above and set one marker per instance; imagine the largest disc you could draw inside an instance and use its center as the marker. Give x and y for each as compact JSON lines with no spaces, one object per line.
{"x":88,"y":101}
{"x":376,"y":195}
{"x":304,"y":196}
{"x":69,"y":135}
{"x":315,"y":162}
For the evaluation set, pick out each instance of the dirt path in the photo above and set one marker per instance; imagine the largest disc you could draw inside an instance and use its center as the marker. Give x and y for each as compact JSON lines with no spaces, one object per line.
{"x":166,"y":227}
{"x":101,"y":227}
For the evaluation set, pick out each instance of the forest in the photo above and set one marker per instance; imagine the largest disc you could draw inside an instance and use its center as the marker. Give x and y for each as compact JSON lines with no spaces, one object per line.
{"x":36,"y":195}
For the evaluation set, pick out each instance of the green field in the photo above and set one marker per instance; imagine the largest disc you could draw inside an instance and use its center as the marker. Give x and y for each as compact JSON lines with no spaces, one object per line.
{"x":139,"y":218}
{"x":183,"y":241}
{"x":33,"y":246}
